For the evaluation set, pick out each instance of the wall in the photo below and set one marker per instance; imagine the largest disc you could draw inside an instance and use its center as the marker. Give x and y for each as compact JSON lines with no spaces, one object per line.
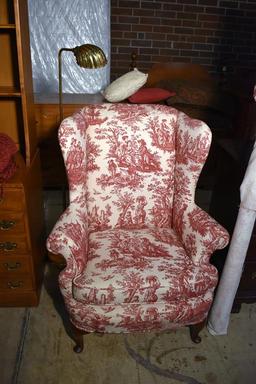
{"x":55,"y":24}
{"x":213,"y":33}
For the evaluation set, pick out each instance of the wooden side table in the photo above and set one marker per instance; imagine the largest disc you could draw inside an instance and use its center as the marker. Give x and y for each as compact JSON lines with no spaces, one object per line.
{"x":48,"y":121}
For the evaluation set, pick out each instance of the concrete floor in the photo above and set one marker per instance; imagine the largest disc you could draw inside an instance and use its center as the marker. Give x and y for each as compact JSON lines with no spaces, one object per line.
{"x":12,"y":332}
{"x":12,"y":321}
{"x":36,"y":349}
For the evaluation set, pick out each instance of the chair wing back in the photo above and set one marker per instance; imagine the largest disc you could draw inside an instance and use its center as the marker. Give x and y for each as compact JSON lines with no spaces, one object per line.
{"x":121,"y":159}
{"x":193,"y":140}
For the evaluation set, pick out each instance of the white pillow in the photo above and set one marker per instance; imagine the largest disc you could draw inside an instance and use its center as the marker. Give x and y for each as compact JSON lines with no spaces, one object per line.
{"x":125,"y":86}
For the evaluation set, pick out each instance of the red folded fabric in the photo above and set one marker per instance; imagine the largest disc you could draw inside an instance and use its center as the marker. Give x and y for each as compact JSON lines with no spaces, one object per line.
{"x":7,"y":165}
{"x":150,"y":95}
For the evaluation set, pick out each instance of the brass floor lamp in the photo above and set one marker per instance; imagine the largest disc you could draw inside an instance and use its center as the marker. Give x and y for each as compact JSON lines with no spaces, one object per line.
{"x":87,"y":56}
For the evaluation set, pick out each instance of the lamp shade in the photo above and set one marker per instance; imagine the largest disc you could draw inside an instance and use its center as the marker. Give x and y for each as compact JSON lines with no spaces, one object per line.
{"x":89,"y":56}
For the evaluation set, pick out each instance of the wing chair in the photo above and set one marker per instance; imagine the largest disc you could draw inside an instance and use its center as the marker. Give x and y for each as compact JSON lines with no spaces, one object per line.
{"x":135,"y":246}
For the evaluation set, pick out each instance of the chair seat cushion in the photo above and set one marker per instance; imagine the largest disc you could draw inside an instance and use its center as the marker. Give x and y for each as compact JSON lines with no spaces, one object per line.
{"x":140,"y":266}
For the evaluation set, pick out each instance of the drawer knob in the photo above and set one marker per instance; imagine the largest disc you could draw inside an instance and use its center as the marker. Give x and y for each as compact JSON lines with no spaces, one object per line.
{"x":12,"y":265}
{"x":8,"y":246}
{"x":15,"y":284}
{"x":5,"y":225}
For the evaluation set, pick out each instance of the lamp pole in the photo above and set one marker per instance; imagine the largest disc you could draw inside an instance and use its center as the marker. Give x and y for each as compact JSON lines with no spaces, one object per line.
{"x":60,"y":81}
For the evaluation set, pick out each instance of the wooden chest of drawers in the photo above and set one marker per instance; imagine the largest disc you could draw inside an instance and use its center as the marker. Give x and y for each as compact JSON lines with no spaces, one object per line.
{"x":22,"y":246}
{"x":246,"y":292}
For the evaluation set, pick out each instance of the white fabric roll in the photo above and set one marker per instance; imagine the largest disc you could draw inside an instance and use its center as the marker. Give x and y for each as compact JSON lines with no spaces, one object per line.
{"x":220,"y":313}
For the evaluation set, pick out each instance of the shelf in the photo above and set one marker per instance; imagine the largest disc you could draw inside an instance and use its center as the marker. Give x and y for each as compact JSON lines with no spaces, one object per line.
{"x":9,"y":73}
{"x":6,"y":13}
{"x":23,"y":192}
{"x":9,"y":92}
{"x":7,"y":26}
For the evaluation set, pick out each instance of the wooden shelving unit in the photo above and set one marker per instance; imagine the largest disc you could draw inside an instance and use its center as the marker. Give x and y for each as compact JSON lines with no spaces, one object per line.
{"x":17,"y":117}
{"x":22,"y":247}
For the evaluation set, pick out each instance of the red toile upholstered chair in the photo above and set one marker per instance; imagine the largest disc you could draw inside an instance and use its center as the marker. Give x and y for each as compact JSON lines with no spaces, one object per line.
{"x":136,"y":247}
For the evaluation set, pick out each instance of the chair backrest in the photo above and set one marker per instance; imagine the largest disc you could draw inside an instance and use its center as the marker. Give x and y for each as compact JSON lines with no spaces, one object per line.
{"x":121,"y":160}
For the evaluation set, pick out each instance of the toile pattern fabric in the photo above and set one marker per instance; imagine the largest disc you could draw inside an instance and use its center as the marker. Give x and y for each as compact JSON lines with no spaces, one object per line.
{"x":136,"y":245}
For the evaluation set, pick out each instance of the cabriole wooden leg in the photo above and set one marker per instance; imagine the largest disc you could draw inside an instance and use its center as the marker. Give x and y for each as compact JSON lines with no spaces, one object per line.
{"x":78,"y":338}
{"x":75,"y":333}
{"x":194,"y":331}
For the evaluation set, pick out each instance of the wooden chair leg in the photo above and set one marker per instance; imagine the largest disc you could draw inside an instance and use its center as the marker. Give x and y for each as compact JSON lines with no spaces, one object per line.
{"x":194,"y":331}
{"x":77,"y":335}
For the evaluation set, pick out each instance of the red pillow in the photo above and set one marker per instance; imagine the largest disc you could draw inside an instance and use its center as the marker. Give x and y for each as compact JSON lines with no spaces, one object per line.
{"x":150,"y":95}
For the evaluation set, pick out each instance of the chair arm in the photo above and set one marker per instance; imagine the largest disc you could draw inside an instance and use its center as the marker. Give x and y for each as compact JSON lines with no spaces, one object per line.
{"x":200,"y":234}
{"x":69,"y":238}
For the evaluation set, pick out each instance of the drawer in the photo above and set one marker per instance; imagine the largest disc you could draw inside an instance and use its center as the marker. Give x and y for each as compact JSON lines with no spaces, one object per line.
{"x":12,"y":200}
{"x":16,"y":284}
{"x":13,"y":245}
{"x":14,"y":264}
{"x":248,"y":280}
{"x":11,"y":223}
